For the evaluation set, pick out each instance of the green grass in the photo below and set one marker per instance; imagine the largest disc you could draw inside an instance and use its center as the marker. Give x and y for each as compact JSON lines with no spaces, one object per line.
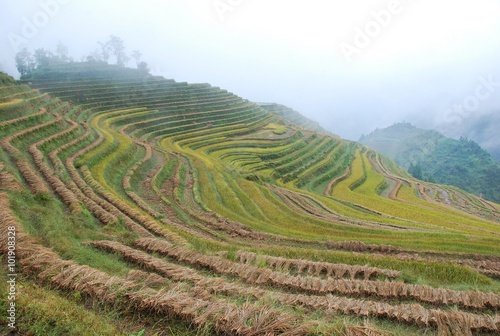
{"x":277,"y":129}
{"x":439,"y":275}
{"x":50,"y":223}
{"x":45,"y":312}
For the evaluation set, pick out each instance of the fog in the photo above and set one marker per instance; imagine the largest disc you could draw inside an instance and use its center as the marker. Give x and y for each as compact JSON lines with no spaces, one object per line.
{"x":352,"y":66}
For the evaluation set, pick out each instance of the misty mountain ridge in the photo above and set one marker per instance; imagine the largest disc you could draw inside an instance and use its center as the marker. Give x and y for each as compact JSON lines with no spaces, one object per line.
{"x":432,"y":157}
{"x":482,"y":128}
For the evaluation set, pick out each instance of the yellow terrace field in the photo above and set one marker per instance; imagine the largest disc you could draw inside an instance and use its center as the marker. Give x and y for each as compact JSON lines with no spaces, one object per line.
{"x":183,"y":209}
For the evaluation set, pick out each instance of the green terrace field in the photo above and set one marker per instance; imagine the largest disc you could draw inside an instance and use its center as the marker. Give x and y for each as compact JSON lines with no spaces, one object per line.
{"x":145,"y":205}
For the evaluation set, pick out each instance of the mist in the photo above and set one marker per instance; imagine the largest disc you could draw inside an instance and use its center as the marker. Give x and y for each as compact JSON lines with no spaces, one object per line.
{"x":353,"y":67}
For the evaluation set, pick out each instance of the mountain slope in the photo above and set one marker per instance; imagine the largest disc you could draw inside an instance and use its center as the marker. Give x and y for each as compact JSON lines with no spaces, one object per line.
{"x":173,"y":208}
{"x":294,"y":117}
{"x":430,"y":156}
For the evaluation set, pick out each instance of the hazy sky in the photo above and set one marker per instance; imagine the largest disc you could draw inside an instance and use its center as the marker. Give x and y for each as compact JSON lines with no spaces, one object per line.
{"x":351,"y":65}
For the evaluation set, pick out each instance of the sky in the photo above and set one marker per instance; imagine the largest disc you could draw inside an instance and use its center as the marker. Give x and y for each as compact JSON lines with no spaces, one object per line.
{"x":353,"y":66}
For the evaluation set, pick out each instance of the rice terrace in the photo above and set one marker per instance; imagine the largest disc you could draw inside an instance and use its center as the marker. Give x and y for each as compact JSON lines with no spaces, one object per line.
{"x":145,"y":206}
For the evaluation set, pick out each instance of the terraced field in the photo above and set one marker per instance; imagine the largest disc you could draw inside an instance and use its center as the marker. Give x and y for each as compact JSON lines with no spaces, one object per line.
{"x":141,"y":203}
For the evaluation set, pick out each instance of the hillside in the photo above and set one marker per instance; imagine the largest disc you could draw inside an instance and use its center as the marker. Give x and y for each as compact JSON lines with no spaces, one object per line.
{"x":294,"y":117}
{"x":430,"y":156}
{"x":481,"y":127}
{"x":141,"y":204}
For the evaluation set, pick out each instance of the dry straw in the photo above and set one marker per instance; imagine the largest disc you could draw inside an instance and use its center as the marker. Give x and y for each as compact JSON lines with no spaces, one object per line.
{"x":317,"y":268}
{"x":223,"y":317}
{"x":205,"y":287}
{"x":314,"y":285}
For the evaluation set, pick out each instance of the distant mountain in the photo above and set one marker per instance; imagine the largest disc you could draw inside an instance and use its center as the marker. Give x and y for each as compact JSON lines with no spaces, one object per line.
{"x":430,"y":156}
{"x":482,"y":128}
{"x":294,"y":117}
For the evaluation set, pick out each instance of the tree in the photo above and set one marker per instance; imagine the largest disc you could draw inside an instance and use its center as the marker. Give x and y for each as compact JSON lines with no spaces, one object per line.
{"x":117,"y":47}
{"x":143,"y":67}
{"x":416,"y":171}
{"x":104,"y":54}
{"x":136,"y":54}
{"x":24,"y":62}
{"x":43,"y":57}
{"x":62,"y":52}
{"x":90,"y":59}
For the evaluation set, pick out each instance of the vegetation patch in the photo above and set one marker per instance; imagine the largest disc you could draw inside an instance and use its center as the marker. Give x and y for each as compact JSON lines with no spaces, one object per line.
{"x":277,"y":129}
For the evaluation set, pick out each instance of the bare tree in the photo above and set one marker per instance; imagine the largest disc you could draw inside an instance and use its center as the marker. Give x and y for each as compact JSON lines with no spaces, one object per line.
{"x":104,"y":54}
{"x":136,"y":54}
{"x":117,"y":47}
